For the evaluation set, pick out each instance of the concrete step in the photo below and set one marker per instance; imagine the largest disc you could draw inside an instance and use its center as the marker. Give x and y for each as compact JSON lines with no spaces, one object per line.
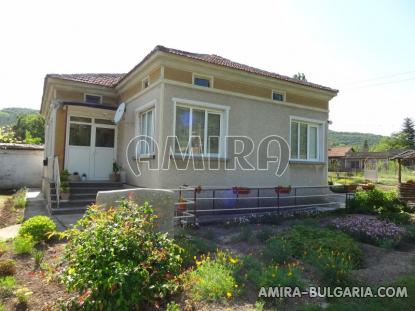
{"x":79,"y":196}
{"x":71,"y":203}
{"x":88,"y":190}
{"x":68,"y":210}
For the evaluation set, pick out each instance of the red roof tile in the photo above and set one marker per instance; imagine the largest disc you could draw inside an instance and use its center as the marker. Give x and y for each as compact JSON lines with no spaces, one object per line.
{"x":339,"y":151}
{"x":103,"y":79}
{"x":112,"y":80}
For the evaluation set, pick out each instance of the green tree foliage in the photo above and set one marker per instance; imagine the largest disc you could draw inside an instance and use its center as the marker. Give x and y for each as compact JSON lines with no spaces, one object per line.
{"x":354,"y":139}
{"x":30,"y":128}
{"x":8,"y":116}
{"x":408,"y":128}
{"x":300,"y":76}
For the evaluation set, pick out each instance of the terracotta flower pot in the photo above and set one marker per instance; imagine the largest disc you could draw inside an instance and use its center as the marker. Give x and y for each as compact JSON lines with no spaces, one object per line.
{"x":182,"y":206}
{"x":115,"y":177}
{"x":241,"y":190}
{"x":65,"y":196}
{"x":281,"y":189}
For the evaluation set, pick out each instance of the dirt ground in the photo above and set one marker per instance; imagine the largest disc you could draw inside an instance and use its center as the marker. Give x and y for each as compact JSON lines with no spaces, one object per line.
{"x":8,"y":215}
{"x":42,"y":282}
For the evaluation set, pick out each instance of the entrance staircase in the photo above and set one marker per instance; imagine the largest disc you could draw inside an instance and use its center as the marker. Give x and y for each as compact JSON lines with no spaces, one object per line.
{"x":82,"y":195}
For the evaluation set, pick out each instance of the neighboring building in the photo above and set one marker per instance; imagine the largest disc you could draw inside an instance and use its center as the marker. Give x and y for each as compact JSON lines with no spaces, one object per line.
{"x":172,"y":92}
{"x":337,"y":158}
{"x":346,"y":159}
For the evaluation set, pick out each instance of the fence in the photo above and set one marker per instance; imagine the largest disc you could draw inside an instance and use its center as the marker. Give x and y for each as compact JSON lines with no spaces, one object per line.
{"x":217,"y":204}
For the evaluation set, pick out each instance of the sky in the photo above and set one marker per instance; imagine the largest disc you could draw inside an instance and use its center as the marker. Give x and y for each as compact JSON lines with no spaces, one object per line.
{"x":364,"y":48}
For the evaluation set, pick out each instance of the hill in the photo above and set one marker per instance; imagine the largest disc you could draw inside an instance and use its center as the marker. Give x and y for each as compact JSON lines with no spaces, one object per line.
{"x":353,"y":139}
{"x":8,"y":115}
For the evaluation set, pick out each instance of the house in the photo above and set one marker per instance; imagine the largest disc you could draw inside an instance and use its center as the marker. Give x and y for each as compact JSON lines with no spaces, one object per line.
{"x":346,"y":159}
{"x":337,"y":158}
{"x":186,"y":95}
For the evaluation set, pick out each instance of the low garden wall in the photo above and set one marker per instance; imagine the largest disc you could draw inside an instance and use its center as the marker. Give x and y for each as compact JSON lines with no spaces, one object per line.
{"x":20,"y":166}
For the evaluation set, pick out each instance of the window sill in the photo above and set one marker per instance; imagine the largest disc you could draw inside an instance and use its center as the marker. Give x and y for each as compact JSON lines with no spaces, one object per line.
{"x":145,"y":157}
{"x":312,"y":162}
{"x":197,"y":157}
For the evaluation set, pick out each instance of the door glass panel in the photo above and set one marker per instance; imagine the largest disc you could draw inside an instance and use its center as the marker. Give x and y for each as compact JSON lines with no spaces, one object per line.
{"x":80,"y":135}
{"x":104,"y":137}
{"x":182,"y":128}
{"x":213,"y":133}
{"x":198,"y":130}
{"x":81,"y":119}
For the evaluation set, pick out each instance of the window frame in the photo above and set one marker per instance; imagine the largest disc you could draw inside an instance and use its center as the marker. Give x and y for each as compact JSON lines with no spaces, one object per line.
{"x":319,"y":125}
{"x":138,"y":112}
{"x":204,"y":77}
{"x":209,"y":108}
{"x":279,"y":92}
{"x":96,"y":95}
{"x":143,"y":81}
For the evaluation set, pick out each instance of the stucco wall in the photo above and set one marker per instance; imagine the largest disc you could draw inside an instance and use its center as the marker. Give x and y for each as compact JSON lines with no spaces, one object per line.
{"x":19,"y":168}
{"x":256,"y":119}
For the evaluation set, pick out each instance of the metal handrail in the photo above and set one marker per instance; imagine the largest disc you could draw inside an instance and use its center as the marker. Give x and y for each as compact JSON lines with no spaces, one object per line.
{"x":57,"y":179}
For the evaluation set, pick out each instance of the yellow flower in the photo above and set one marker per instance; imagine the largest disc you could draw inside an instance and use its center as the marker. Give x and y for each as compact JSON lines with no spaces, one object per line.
{"x":229,"y":295}
{"x":290,"y":273}
{"x":233,"y":260}
{"x":71,"y":270}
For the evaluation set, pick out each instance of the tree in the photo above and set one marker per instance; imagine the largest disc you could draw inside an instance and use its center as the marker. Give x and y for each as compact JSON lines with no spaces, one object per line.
{"x":300,"y":76}
{"x":365,"y":146}
{"x":30,"y":128}
{"x":408,"y":128}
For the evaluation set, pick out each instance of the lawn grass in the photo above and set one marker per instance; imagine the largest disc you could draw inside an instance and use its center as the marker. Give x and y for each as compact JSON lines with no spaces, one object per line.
{"x":376,"y":304}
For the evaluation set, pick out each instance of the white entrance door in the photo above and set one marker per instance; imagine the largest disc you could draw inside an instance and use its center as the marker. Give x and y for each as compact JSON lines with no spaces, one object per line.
{"x":91,"y":147}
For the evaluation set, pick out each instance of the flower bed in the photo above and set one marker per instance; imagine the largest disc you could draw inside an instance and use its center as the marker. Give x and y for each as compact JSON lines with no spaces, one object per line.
{"x":369,"y":228}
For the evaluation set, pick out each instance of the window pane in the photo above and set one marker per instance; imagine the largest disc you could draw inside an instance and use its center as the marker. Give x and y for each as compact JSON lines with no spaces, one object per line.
{"x":313,"y":142}
{"x":104,"y":137}
{"x":92,"y":99}
{"x":182,"y":128}
{"x":103,"y":121}
{"x":277,"y":96}
{"x":149,"y":132}
{"x":213,"y":133}
{"x":303,"y":141}
{"x":198,"y":130}
{"x":80,"y":135}
{"x":202,"y":82}
{"x":81,"y":119}
{"x":294,"y":140}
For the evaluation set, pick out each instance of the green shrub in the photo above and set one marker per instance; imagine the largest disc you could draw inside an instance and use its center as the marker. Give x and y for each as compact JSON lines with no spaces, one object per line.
{"x":38,"y":256}
{"x":399,"y":218}
{"x":3,"y":247}
{"x":23,"y":295}
{"x":303,"y":239}
{"x":334,"y":267}
{"x":376,"y":202}
{"x":278,"y":276}
{"x":172,"y":306}
{"x":193,"y":247}
{"x":212,"y":280}
{"x":248,"y":269}
{"x":264,"y":234}
{"x":19,"y":198}
{"x":117,"y":259}
{"x":2,"y":307}
{"x":23,"y":244}
{"x":7,"y":267}
{"x":277,"y":250}
{"x":7,"y":285}
{"x":39,"y":227}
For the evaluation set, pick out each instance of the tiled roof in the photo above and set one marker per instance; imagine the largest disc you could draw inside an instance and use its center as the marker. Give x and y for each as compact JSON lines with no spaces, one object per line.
{"x":103,"y":79}
{"x":339,"y":151}
{"x":221,"y":61}
{"x":111,"y":80}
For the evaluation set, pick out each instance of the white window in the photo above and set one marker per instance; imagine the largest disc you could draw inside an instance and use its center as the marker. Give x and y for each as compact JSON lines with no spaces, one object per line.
{"x":146,"y":83}
{"x":199,"y":129}
{"x":203,"y":81}
{"x":93,"y":99}
{"x":306,"y":142}
{"x":146,"y":130}
{"x":278,"y":96}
